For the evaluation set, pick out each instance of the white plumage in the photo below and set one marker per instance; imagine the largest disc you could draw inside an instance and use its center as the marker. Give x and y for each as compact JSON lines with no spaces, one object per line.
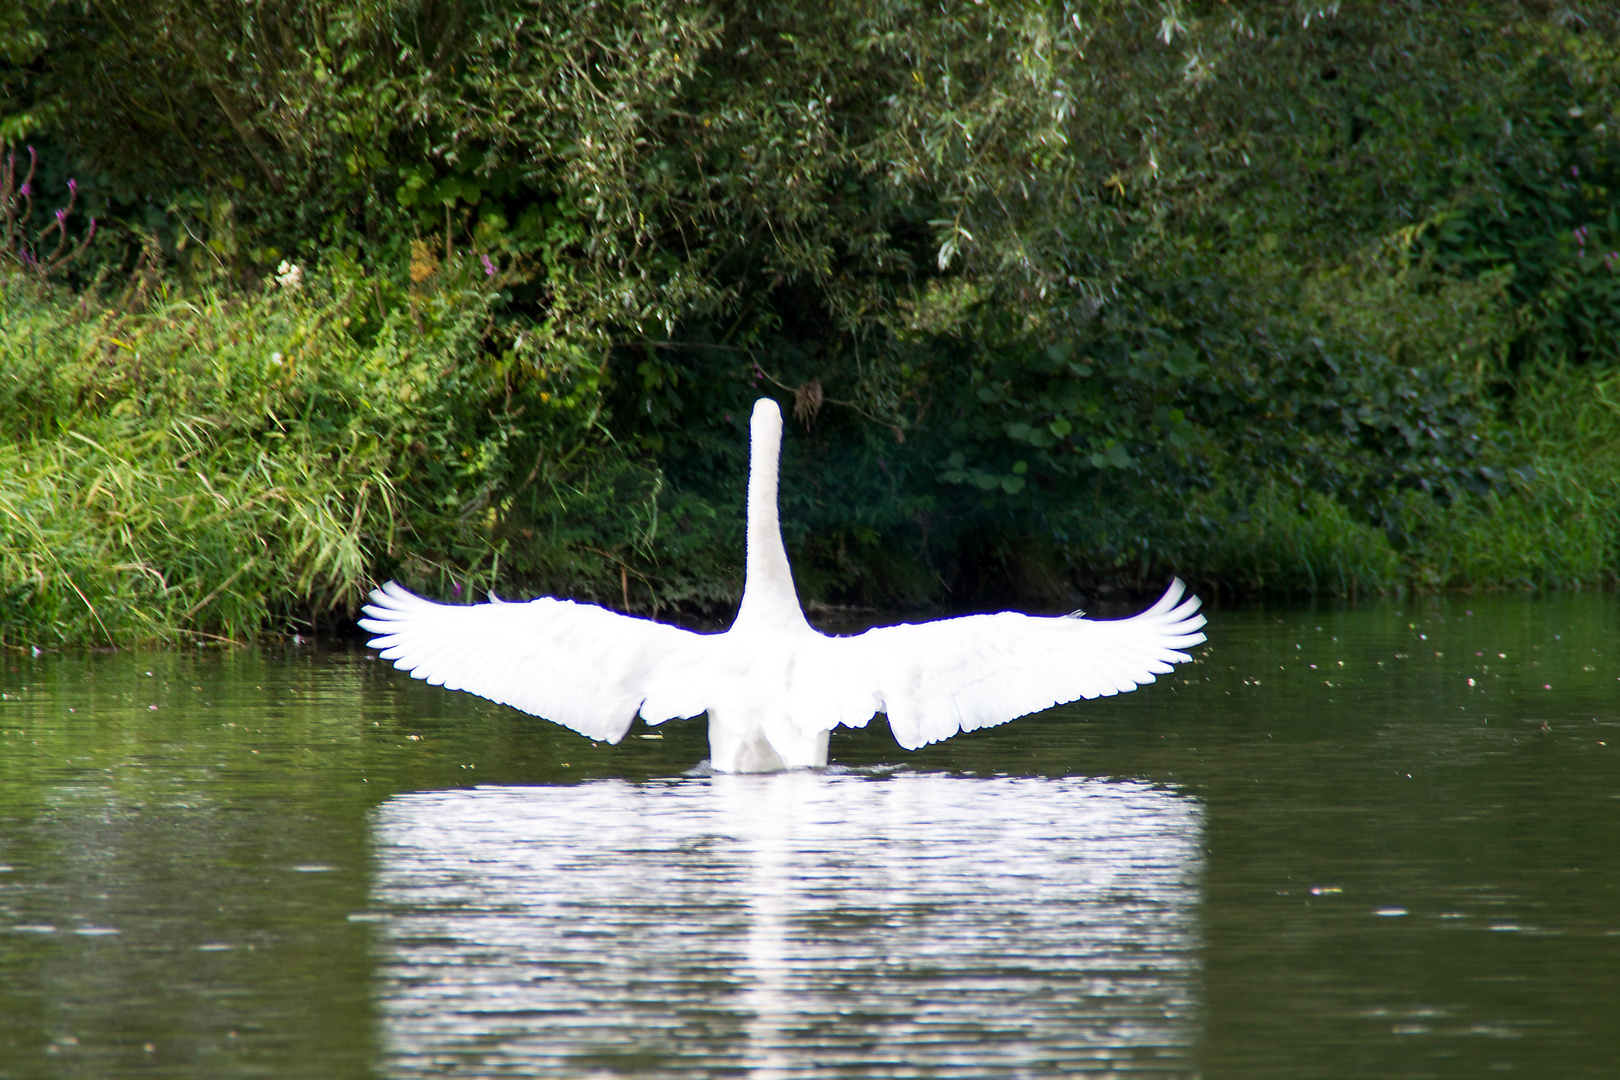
{"x":773,"y":686}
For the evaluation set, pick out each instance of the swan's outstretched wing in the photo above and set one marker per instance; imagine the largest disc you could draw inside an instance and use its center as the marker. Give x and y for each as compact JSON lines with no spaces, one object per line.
{"x":581,"y":666}
{"x":935,"y":679}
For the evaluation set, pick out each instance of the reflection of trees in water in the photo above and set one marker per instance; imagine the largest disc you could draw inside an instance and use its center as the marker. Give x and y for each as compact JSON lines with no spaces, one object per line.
{"x":786,"y":923}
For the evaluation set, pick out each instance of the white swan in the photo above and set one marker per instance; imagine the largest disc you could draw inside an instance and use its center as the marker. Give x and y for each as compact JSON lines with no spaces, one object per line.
{"x":773,"y":686}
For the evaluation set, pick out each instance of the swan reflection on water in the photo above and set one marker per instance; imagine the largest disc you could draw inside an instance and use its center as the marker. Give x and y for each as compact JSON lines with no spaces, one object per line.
{"x":788,"y":925}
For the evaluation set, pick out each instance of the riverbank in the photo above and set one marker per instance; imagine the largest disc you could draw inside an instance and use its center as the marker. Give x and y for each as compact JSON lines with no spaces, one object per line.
{"x":200,"y":464}
{"x":1300,"y":306}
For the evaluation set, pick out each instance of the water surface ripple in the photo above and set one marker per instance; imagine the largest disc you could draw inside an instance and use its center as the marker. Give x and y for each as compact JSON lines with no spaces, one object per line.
{"x":791,"y":925}
{"x":1346,"y":842}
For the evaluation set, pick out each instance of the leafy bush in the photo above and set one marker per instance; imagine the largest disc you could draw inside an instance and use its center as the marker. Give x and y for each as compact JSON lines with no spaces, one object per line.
{"x":1270,"y":294}
{"x":190,"y":465}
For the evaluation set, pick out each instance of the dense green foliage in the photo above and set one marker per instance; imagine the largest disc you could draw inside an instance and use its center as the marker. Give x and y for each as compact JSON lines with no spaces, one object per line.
{"x":1279,"y":296}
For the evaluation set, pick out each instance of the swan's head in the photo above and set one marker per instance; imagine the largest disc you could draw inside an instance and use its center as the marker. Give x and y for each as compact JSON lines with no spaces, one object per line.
{"x":766,"y":424}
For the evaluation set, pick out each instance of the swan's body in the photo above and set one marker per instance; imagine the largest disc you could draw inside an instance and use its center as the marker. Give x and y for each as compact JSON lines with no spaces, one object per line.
{"x":773,"y":686}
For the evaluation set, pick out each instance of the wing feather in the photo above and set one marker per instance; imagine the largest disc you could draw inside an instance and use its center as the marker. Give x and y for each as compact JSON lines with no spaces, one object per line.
{"x":935,"y":679}
{"x":826,"y":685}
{"x":581,"y":666}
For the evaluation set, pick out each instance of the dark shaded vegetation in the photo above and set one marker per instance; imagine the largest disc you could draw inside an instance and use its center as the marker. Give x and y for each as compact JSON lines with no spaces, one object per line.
{"x":1064,"y":299}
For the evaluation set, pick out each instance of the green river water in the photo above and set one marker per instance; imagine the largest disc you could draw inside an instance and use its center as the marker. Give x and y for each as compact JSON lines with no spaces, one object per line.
{"x":1358,"y":842}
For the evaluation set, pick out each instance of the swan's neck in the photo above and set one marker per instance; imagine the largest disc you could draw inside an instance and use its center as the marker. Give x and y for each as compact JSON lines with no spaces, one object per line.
{"x":768,"y":593}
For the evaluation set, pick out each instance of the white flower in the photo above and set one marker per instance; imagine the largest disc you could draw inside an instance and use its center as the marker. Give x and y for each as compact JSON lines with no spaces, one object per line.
{"x":290,"y":275}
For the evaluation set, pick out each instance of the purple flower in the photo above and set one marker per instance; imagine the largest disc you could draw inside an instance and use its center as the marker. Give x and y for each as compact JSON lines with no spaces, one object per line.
{"x":455,"y":587}
{"x":60,"y":214}
{"x":27,"y":189}
{"x":1574,"y":170}
{"x":73,"y":185}
{"x":489,"y":267}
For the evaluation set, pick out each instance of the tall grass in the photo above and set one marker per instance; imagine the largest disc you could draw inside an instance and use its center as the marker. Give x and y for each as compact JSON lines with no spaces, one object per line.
{"x":199,"y":465}
{"x":1555,"y":524}
{"x":164,"y":473}
{"x":203,"y":464}
{"x":1558,"y":525}
{"x":1294,"y":542}
{"x":103,"y":540}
